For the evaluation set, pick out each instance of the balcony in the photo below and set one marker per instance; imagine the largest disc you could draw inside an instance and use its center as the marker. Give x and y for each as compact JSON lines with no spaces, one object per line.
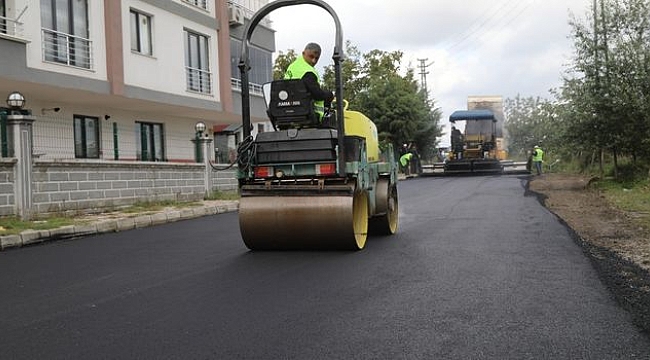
{"x":11,"y":28}
{"x":198,"y":80}
{"x":66,"y":49}
{"x":203,"y":4}
{"x":253,"y":89}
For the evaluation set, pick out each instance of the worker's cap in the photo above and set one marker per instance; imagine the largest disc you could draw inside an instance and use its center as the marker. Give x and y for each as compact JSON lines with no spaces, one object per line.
{"x":536,"y":147}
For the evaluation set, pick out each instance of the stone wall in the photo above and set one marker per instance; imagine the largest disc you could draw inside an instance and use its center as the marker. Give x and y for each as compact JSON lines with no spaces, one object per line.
{"x":84,"y":186}
{"x":7,"y":197}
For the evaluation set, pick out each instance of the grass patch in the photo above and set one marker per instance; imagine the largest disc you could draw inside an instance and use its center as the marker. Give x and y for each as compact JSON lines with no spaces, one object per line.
{"x":151,"y":206}
{"x":223,"y":195}
{"x":13,"y":225}
{"x":630,"y":196}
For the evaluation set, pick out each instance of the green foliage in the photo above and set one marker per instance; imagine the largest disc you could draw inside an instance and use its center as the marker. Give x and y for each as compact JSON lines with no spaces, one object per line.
{"x":373,"y":85}
{"x":282,"y":63}
{"x":223,"y":195}
{"x":353,"y":82}
{"x":630,"y":196}
{"x":610,"y":88}
{"x":629,"y":173}
{"x":604,"y":102}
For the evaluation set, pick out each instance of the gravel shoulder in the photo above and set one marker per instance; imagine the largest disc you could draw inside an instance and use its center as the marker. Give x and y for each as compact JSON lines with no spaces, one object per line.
{"x":618,"y":248}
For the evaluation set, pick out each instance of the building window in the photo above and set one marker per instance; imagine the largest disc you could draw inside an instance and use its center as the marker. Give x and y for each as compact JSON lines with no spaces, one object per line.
{"x":260,"y":60}
{"x":150,"y":141}
{"x":197,"y":65}
{"x":203,"y":4}
{"x":86,"y":137}
{"x":65,"y":32}
{"x":141,"y":33}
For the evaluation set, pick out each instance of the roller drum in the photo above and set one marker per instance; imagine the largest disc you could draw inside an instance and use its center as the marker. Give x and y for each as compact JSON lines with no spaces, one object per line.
{"x":334,"y":222}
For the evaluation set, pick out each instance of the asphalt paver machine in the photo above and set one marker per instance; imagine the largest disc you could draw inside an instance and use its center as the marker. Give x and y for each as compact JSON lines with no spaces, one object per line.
{"x":477,"y":152}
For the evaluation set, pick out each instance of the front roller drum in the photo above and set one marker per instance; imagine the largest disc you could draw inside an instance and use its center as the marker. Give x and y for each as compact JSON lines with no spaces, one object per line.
{"x":304,"y":222}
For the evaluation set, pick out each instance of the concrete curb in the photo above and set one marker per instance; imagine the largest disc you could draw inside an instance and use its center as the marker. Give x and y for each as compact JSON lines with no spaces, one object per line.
{"x":30,"y":237}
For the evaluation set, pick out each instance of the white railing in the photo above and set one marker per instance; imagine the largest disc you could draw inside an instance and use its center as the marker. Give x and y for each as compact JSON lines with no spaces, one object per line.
{"x":252,"y":5}
{"x":11,"y":27}
{"x":255,"y":89}
{"x":198,"y":80}
{"x":62,"y":48}
{"x":203,"y":4}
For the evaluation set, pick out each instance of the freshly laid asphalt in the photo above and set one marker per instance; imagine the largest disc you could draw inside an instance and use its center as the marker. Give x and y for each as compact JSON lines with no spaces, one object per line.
{"x":479,"y":269}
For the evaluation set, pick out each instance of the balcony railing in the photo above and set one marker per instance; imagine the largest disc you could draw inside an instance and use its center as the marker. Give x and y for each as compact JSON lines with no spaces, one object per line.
{"x":203,"y":4}
{"x":66,"y":49}
{"x":199,"y":80}
{"x":254,"y":89}
{"x":12,"y":27}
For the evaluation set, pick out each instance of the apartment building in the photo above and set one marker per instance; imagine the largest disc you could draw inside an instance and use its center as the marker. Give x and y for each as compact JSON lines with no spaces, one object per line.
{"x":128,"y":80}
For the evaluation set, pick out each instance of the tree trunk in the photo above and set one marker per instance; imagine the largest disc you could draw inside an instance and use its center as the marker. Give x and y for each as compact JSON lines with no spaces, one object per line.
{"x":615,"y":164}
{"x":601,"y":160}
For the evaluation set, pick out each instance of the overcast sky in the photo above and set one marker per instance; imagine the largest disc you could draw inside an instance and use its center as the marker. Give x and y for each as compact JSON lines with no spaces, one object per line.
{"x":474,"y":47}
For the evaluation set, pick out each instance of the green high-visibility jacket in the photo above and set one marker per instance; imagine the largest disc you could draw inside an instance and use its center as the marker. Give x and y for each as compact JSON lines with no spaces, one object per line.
{"x":538,"y":155}
{"x":297,"y":70}
{"x":404,"y":159}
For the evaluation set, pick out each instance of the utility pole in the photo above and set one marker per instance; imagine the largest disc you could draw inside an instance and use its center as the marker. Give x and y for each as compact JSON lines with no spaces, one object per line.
{"x":423,"y":74}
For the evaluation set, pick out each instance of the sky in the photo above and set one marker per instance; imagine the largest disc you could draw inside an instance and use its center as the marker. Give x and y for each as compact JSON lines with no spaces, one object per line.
{"x":471,"y":47}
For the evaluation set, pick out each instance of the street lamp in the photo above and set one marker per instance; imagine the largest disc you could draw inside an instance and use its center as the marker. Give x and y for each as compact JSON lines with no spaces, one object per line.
{"x":16,"y":100}
{"x":199,"y":127}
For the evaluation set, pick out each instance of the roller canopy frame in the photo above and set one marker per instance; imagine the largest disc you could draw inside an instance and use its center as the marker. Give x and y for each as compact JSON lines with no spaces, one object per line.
{"x":338,"y":56}
{"x":465,"y":115}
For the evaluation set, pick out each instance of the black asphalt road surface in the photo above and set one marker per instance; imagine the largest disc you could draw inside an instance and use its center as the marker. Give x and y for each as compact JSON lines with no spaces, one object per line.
{"x":478,"y":270}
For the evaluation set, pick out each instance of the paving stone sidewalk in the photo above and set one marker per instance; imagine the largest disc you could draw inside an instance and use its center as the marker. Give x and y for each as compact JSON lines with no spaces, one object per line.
{"x":117,"y":221}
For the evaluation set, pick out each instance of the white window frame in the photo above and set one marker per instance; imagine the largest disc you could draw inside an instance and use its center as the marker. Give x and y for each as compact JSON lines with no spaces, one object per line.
{"x":143,"y":40}
{"x":197,"y":64}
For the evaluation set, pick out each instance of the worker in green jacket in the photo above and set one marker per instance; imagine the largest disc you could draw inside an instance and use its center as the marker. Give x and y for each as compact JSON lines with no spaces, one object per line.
{"x":538,"y":157}
{"x":405,"y":160}
{"x":303,"y":68}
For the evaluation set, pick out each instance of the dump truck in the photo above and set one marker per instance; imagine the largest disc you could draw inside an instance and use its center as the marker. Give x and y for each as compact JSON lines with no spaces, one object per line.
{"x":305,"y":185}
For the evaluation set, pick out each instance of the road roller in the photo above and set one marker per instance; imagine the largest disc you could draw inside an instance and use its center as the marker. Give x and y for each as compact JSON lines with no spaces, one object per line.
{"x":312,"y":184}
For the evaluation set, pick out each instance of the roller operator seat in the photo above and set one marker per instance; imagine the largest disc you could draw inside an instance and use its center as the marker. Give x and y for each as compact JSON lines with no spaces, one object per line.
{"x":291,"y":105}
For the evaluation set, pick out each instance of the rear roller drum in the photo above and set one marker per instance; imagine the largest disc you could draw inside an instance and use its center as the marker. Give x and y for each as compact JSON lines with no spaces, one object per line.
{"x":388,"y":207}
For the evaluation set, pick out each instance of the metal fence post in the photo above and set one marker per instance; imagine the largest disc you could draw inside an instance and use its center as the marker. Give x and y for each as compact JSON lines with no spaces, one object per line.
{"x":116,"y":152}
{"x":3,"y":132}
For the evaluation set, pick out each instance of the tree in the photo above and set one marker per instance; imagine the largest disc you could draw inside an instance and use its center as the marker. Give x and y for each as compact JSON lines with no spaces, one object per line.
{"x":602,"y":110}
{"x":372,"y":85}
{"x":282,"y":62}
{"x":609,"y":89}
{"x":402,"y":112}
